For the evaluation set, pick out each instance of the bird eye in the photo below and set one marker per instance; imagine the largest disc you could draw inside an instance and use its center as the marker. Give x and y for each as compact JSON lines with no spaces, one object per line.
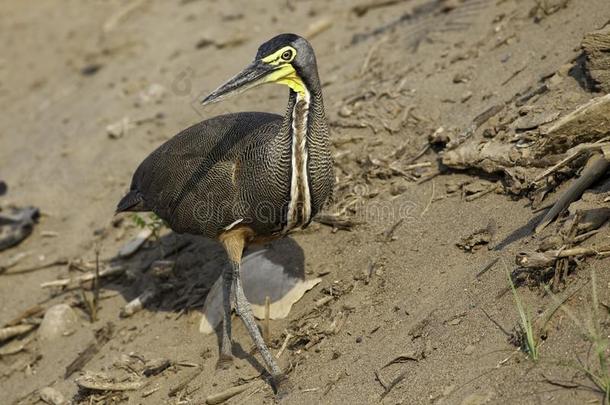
{"x":287,"y":55}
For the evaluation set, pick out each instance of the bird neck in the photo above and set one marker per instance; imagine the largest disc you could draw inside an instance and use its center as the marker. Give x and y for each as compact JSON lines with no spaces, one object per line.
{"x":305,"y":111}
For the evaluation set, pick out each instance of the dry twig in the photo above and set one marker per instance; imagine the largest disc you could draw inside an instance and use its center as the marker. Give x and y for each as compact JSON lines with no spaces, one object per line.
{"x":182,"y":384}
{"x":12,"y":331}
{"x":284,"y":345}
{"x":221,"y":397}
{"x":52,"y":263}
{"x":96,"y":383}
{"x":533,"y":260}
{"x":76,"y":281}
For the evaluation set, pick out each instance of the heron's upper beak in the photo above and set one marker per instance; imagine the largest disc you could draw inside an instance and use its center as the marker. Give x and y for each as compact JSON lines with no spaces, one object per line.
{"x":253,"y":75}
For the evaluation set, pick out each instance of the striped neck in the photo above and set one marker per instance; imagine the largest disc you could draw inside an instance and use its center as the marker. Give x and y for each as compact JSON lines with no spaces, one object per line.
{"x":299,"y":204}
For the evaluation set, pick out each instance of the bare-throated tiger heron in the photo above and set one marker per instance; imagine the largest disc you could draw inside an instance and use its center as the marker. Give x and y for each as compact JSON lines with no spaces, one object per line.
{"x":245,"y":177}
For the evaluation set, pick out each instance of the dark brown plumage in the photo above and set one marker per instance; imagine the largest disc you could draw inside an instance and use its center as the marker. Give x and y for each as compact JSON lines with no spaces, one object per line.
{"x":245,"y":176}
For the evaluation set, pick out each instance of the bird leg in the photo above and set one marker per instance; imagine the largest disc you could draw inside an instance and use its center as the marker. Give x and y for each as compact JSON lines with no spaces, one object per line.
{"x":234,"y":242}
{"x":225,"y":358}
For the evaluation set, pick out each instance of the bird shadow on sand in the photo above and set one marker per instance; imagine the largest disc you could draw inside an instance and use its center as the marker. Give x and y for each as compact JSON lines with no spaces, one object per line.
{"x":179,"y":272}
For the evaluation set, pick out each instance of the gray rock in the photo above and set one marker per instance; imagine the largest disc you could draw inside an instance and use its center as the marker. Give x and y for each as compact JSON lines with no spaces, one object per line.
{"x":51,"y":396}
{"x":59,"y":320}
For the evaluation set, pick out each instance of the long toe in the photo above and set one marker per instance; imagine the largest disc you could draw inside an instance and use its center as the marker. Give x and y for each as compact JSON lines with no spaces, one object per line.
{"x":224,"y":362}
{"x":282,"y":386}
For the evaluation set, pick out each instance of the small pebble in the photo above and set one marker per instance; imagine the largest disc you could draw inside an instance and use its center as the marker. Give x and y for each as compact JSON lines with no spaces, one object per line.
{"x":91,"y":69}
{"x":52,"y":396}
{"x":345,"y":111}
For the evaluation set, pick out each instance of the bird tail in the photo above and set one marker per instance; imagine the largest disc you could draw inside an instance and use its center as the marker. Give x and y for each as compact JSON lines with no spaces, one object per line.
{"x":132,"y":201}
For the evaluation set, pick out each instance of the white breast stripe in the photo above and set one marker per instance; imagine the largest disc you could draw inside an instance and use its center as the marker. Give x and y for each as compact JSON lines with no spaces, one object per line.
{"x":232,"y":224}
{"x":299,"y":174}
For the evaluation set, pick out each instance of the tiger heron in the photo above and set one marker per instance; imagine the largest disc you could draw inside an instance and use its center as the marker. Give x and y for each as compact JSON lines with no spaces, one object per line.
{"x":245,"y":177}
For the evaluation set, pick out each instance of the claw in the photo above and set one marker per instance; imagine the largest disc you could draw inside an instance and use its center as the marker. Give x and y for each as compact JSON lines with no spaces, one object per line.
{"x":282,"y":387}
{"x":224,"y":362}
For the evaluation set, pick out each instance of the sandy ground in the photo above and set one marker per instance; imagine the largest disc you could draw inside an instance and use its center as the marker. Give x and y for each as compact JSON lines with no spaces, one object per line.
{"x":69,"y":69}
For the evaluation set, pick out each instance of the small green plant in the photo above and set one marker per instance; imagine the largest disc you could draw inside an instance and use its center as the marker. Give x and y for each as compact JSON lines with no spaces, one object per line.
{"x":528,"y":343}
{"x":138,"y":220}
{"x":591,"y":331}
{"x":153,"y":222}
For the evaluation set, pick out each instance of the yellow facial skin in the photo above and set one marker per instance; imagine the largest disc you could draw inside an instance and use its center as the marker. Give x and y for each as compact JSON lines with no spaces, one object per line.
{"x":284,"y":73}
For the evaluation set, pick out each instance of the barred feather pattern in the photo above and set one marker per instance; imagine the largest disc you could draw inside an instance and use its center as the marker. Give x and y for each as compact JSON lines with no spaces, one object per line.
{"x":231,"y":169}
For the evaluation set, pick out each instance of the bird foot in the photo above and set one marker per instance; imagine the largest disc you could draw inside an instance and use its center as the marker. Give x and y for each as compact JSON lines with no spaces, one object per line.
{"x":224,"y":362}
{"x":282,"y":386}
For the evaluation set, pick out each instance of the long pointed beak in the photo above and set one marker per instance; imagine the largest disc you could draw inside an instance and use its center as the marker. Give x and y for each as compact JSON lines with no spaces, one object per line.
{"x":253,"y":75}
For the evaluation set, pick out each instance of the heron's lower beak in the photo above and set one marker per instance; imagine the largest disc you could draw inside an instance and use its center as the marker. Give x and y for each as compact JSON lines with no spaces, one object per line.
{"x":253,"y":75}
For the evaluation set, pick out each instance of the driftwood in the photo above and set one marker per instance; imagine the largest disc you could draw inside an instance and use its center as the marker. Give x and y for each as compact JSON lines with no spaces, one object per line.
{"x":491,"y":157}
{"x":589,"y":122}
{"x":582,"y":130}
{"x":596,"y":47}
{"x":535,"y":260}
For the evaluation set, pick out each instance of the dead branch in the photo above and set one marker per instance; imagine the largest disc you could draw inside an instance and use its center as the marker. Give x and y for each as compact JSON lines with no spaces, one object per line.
{"x":596,"y":166}
{"x":574,"y":153}
{"x":534,"y":260}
